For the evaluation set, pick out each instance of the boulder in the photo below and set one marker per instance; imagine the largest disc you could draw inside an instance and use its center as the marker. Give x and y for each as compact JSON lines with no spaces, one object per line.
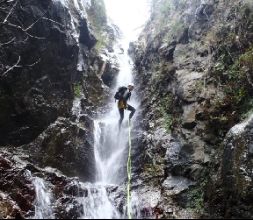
{"x":66,"y":146}
{"x":235,"y":181}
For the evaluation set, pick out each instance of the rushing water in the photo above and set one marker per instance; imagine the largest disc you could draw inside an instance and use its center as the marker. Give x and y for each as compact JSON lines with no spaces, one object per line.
{"x":111,"y":151}
{"x":43,"y":202}
{"x":43,"y":208}
{"x":111,"y":144}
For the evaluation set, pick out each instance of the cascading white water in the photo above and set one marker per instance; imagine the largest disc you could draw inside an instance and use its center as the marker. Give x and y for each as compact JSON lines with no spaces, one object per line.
{"x":110,"y":149}
{"x":110,"y":142}
{"x":111,"y":145}
{"x":44,"y":198}
{"x":97,"y":204}
{"x":43,"y":202}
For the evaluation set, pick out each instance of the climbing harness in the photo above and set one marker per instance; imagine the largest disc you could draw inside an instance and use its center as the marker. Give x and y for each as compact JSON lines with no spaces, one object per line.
{"x":129,"y":174}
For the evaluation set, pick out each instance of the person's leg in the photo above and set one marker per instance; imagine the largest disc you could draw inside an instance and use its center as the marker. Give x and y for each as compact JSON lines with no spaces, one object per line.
{"x":132,"y":109}
{"x":121,"y":112}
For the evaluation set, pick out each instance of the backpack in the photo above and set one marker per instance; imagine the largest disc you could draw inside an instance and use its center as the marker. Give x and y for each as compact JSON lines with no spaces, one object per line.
{"x":119,"y":95}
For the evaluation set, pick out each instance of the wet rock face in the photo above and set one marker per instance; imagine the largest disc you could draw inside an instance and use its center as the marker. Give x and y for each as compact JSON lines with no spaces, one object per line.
{"x":35,"y":94}
{"x":46,"y":103}
{"x":19,"y":189}
{"x":67,"y":147}
{"x":186,"y":113}
{"x":110,"y":74}
{"x":19,"y":196}
{"x":235,"y":180}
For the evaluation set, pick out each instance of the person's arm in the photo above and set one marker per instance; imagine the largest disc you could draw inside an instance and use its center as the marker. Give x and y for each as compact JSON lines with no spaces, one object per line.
{"x":127,"y":96}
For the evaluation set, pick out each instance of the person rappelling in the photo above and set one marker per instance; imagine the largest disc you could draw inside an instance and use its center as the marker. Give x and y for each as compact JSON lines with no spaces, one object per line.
{"x":123,"y":95}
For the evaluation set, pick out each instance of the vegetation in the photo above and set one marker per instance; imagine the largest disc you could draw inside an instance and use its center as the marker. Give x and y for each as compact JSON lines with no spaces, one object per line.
{"x":98,"y":18}
{"x":232,"y":71}
{"x":195,"y":198}
{"x":97,"y":15}
{"x":168,"y":21}
{"x":235,"y":78}
{"x":102,"y":41}
{"x":165,"y":109}
{"x":246,"y":60}
{"x":78,"y":90}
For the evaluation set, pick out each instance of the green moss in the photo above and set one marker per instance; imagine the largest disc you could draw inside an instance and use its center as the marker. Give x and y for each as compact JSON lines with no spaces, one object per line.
{"x":102,"y":42}
{"x":232,"y":74}
{"x":78,"y":90}
{"x":152,"y":169}
{"x":195,"y":197}
{"x":165,"y":8}
{"x":165,"y":109}
{"x":98,"y":19}
{"x":197,"y":200}
{"x":164,"y":11}
{"x":97,"y":15}
{"x":167,"y":120}
{"x":246,"y":60}
{"x":177,"y":26}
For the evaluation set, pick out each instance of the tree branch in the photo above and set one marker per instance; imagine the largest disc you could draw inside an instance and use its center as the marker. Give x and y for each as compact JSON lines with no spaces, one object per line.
{"x":30,"y":26}
{"x":11,"y":68}
{"x":35,"y":37}
{"x":33,"y":64}
{"x":10,"y":12}
{"x":48,"y":19}
{"x":9,"y":42}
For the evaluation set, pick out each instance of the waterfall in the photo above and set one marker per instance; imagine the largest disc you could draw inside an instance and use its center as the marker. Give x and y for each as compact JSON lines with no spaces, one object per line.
{"x":111,"y":151}
{"x":111,"y":144}
{"x":97,"y":205}
{"x":43,"y":202}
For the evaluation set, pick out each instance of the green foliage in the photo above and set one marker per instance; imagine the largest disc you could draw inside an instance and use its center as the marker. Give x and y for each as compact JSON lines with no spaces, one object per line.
{"x":196,"y":197}
{"x":177,"y":26}
{"x":167,"y":120}
{"x":232,"y":74}
{"x":98,"y":19}
{"x":165,"y":8}
{"x":197,"y":200}
{"x":164,"y":12}
{"x":78,"y":90}
{"x":102,"y":41}
{"x":97,"y":15}
{"x":165,"y":109}
{"x":246,"y":60}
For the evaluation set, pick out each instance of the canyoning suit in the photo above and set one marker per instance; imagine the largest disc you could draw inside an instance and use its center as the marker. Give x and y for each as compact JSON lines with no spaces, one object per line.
{"x":122,"y":104}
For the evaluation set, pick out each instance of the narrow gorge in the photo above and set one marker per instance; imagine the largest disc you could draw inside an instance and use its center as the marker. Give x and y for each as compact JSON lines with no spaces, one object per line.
{"x":62,"y":154}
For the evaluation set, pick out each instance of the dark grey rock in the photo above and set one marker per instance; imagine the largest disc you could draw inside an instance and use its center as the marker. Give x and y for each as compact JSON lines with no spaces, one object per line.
{"x":67,"y":147}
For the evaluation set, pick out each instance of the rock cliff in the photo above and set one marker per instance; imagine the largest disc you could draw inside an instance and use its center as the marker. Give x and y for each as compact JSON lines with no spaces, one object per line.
{"x":194,"y":70}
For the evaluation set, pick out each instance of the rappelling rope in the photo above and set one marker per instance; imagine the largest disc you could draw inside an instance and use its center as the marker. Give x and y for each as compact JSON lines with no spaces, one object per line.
{"x":129,"y":174}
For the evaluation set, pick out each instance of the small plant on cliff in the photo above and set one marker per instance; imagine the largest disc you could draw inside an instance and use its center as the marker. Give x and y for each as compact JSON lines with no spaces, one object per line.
{"x":196,"y":197}
{"x":165,"y":109}
{"x":97,"y":15}
{"x":98,"y":18}
{"x":246,"y":60}
{"x":77,"y":90}
{"x":102,"y":42}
